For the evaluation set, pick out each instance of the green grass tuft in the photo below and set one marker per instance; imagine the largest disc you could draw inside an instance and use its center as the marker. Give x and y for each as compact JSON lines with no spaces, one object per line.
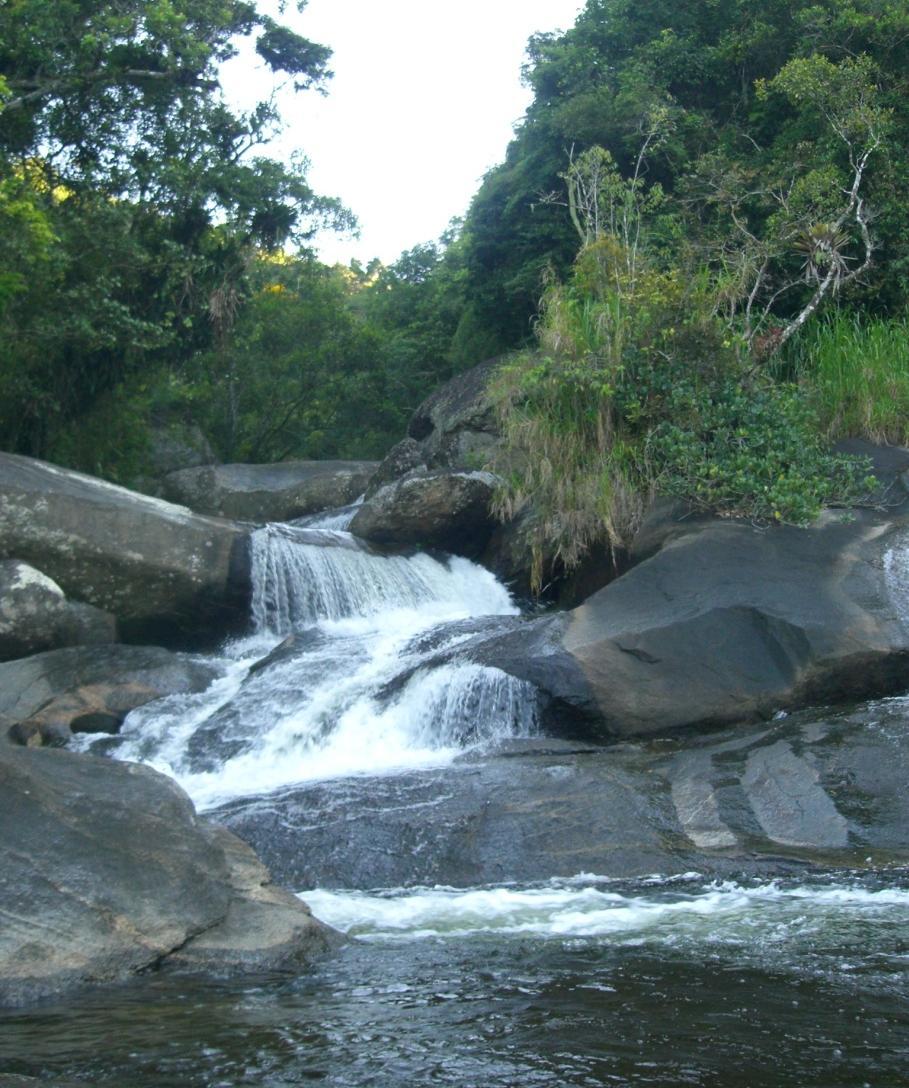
{"x":856,"y":374}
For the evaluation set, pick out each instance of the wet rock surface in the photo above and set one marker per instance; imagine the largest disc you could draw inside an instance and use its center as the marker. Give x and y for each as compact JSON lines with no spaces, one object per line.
{"x":275,"y":492}
{"x":166,"y":574}
{"x":105,"y":870}
{"x":91,"y":688}
{"x":805,"y":791}
{"x":11,"y":1080}
{"x":28,"y":685}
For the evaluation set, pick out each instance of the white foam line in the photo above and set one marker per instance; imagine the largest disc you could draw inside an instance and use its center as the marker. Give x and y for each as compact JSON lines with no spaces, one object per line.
{"x":721,"y":910}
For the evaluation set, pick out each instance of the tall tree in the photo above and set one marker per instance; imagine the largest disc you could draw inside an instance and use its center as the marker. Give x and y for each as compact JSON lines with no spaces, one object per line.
{"x":116,"y":133}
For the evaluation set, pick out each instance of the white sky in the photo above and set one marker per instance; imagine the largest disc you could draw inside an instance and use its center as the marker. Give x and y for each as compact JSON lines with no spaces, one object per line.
{"x":423,"y":102}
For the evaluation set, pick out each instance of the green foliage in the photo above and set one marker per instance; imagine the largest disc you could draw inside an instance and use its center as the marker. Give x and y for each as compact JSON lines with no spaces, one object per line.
{"x":131,"y":207}
{"x":108,"y":90}
{"x":113,"y":438}
{"x":638,"y":389}
{"x":751,"y":99}
{"x":564,"y":458}
{"x":26,"y":235}
{"x":751,"y":449}
{"x":414,"y":307}
{"x":855,"y":372}
{"x":299,"y":376}
{"x":729,"y":167}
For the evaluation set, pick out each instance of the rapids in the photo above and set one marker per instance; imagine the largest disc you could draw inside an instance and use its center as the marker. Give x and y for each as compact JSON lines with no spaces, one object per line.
{"x":348,"y":694}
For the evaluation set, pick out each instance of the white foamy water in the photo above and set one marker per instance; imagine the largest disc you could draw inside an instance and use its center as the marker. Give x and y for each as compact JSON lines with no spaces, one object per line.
{"x":302,"y":576}
{"x":723,"y":913}
{"x":896,"y":575}
{"x":355,"y":692}
{"x":339,"y":518}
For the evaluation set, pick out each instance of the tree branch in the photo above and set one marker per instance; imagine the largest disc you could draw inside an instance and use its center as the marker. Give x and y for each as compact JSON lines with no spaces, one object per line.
{"x":101,"y":77}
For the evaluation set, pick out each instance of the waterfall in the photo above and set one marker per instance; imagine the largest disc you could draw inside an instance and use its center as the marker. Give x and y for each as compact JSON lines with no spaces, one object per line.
{"x":896,"y":576}
{"x":339,"y":518}
{"x":352,"y":691}
{"x":301,"y":576}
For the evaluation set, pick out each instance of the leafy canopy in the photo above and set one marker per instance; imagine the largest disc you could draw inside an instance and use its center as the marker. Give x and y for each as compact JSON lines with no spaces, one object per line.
{"x":133,"y":198}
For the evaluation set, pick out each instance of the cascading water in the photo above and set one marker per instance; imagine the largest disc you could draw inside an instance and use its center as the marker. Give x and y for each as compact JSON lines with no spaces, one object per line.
{"x":339,"y":518}
{"x":781,"y":973}
{"x":303,"y":576}
{"x":349,"y":690}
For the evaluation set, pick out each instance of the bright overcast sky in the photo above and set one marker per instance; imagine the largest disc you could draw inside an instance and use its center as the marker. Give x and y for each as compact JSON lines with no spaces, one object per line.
{"x":422,"y":104}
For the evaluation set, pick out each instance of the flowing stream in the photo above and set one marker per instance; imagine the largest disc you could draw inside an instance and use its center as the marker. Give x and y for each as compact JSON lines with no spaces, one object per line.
{"x":345,"y":692}
{"x":337,"y":708}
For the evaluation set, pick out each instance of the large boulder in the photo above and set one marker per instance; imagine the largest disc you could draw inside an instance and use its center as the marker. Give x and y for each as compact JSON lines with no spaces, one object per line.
{"x":49,"y":696}
{"x":407,"y":458}
{"x":266,"y":927}
{"x":165,"y":573}
{"x":177,"y":444}
{"x":174,"y":443}
{"x":106,"y":871}
{"x":35,"y":614}
{"x":457,"y":431}
{"x":727,"y":623}
{"x":278,"y":492}
{"x":446,"y":510}
{"x":457,"y":426}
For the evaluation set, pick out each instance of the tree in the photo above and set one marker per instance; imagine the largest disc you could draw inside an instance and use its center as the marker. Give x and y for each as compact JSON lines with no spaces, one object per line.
{"x":794,"y":234}
{"x":113,"y":122}
{"x":300,"y":374}
{"x":706,"y":66}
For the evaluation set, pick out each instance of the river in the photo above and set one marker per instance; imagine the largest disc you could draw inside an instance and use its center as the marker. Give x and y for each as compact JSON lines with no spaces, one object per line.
{"x":522,"y":911}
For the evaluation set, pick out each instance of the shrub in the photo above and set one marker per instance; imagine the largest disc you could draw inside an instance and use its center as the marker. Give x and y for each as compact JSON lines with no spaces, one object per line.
{"x":640,"y":391}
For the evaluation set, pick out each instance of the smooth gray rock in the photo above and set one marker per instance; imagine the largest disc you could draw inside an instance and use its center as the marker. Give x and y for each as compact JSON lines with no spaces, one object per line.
{"x":724,"y":624}
{"x":163,"y":572}
{"x":788,"y":800}
{"x":431,"y":490}
{"x":35,"y":614}
{"x":276,"y":492}
{"x":455,"y":430}
{"x":177,"y":444}
{"x":404,"y":459}
{"x":91,"y":688}
{"x":106,"y":870}
{"x":174,"y":444}
{"x":266,"y":928}
{"x":445,"y":510}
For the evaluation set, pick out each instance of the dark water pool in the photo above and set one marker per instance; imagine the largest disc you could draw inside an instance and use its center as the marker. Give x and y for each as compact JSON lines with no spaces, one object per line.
{"x":568,"y":983}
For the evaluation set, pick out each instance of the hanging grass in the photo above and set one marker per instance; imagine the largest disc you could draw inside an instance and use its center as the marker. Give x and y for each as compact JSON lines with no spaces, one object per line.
{"x":632,"y":394}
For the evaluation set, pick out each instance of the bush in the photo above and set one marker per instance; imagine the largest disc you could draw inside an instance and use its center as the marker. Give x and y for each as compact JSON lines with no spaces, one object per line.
{"x":637,"y":388}
{"x":753,"y":449}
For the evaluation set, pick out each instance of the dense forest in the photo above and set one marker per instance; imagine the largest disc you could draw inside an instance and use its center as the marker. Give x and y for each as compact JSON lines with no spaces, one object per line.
{"x":699,"y":236}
